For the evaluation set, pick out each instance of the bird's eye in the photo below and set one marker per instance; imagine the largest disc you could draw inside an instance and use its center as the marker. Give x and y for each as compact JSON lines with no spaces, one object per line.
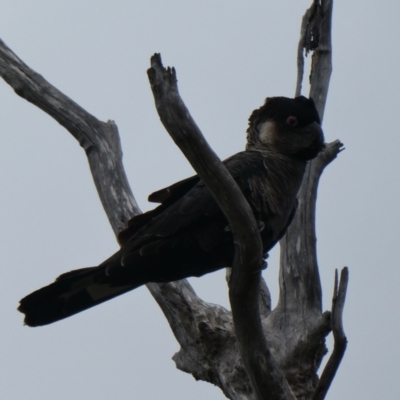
{"x":292,"y":120}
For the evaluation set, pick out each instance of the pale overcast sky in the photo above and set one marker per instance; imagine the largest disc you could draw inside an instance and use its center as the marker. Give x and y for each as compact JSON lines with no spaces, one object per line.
{"x":229,"y":56}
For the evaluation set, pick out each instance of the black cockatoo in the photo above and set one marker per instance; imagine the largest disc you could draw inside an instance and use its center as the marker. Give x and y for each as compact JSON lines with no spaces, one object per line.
{"x":187,"y":234}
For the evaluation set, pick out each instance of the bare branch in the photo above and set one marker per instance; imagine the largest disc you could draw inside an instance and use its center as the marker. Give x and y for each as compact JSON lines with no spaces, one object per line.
{"x":267,"y":378}
{"x":300,"y":287}
{"x":321,"y":66}
{"x":179,"y":124}
{"x":315,"y":36}
{"x":302,"y":46}
{"x":298,"y":316}
{"x":340,"y":344}
{"x":299,"y":276}
{"x":100,"y":140}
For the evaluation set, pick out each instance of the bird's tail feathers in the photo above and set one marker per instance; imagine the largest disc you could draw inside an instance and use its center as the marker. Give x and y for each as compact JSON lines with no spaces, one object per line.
{"x":70,"y":294}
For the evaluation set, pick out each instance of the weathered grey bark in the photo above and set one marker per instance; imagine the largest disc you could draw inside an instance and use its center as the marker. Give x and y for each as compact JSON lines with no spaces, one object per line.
{"x":315,"y":36}
{"x":300,"y":298}
{"x":293,"y":346}
{"x":100,"y":140}
{"x":339,"y":297}
{"x":267,"y":378}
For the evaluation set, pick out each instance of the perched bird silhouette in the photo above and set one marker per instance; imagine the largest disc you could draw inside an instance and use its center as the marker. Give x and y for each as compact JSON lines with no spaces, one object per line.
{"x":187,"y":234}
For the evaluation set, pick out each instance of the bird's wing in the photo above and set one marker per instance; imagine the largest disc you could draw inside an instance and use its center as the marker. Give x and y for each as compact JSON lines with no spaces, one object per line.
{"x":166,"y":197}
{"x":187,"y":210}
{"x":173,"y":192}
{"x":187,"y":200}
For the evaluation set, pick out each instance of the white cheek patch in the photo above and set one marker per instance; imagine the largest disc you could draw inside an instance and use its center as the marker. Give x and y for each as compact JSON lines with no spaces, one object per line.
{"x":267,"y":132}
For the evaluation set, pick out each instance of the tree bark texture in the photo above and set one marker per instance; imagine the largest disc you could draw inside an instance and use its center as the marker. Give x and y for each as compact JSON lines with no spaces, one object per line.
{"x":267,"y":378}
{"x":257,"y":353}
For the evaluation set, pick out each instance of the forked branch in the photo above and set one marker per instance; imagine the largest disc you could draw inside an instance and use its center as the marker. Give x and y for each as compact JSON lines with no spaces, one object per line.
{"x":266,"y":376}
{"x":204,"y":331}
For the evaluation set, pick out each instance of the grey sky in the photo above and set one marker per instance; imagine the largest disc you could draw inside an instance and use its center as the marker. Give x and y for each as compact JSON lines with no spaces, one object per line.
{"x":229,"y":56}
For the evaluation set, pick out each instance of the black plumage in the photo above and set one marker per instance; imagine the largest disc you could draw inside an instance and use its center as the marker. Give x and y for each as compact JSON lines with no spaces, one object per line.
{"x":187,"y":234}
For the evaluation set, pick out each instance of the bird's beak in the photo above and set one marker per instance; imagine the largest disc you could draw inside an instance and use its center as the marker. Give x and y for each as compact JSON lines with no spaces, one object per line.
{"x":313,"y":141}
{"x":316,"y":128}
{"x":317,"y":132}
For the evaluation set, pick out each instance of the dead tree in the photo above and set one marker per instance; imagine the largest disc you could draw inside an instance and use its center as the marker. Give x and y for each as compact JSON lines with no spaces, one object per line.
{"x":253,"y":352}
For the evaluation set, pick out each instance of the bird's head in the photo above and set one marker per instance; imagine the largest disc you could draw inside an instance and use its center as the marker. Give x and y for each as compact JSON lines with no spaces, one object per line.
{"x":289,"y":126}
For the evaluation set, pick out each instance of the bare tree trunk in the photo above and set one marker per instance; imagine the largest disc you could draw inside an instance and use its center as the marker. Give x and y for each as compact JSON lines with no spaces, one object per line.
{"x":264,"y":353}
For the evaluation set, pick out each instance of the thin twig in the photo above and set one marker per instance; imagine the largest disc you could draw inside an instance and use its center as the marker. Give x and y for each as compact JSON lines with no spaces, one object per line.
{"x":340,"y":340}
